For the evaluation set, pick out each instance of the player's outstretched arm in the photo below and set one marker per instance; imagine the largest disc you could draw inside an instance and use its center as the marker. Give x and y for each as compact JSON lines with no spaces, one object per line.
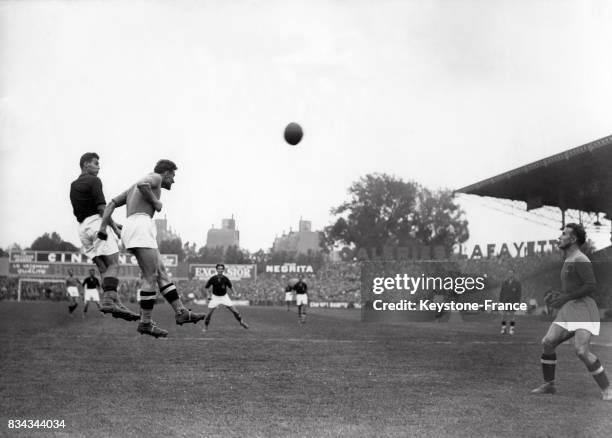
{"x":146,"y":186}
{"x":114,"y":225}
{"x":108,"y":212}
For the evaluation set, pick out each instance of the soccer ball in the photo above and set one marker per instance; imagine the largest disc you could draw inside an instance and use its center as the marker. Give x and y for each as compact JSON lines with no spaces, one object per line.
{"x":293,"y":133}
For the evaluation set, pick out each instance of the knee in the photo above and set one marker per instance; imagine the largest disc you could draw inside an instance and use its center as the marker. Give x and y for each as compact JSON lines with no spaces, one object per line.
{"x":111,"y":267}
{"x":150,"y":282}
{"x":582,"y":351}
{"x":548,"y":345}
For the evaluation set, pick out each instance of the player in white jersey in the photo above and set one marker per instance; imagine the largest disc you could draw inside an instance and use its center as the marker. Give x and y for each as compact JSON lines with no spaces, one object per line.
{"x":72,"y":290}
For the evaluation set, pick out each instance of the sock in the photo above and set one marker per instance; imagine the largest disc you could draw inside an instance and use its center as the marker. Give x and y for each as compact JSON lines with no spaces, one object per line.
{"x":598,"y":373}
{"x":147,"y":302}
{"x":511,"y":323}
{"x":109,"y":290}
{"x":237,"y":316}
{"x":549,"y":361}
{"x":171,"y":295}
{"x":503,"y":323}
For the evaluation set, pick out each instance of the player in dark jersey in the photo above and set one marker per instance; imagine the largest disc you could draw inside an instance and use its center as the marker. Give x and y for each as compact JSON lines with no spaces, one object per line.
{"x":510,"y":293}
{"x":220,"y":285}
{"x":578,"y":316}
{"x":88,"y":203}
{"x":91,"y":286}
{"x":301,"y":298}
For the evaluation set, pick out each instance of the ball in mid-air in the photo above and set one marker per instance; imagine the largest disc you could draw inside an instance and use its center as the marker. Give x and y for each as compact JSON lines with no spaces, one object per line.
{"x":293,"y":133}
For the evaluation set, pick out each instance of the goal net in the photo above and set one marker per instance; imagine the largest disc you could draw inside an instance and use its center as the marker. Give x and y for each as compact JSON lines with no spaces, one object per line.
{"x":33,"y":289}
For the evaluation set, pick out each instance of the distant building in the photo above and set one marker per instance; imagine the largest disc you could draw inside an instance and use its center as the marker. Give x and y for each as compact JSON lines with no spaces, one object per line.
{"x":303,"y":241}
{"x":164,"y":232}
{"x":225,"y":236}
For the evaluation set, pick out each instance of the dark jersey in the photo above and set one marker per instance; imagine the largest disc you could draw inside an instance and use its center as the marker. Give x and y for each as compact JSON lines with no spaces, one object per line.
{"x":219,"y":284}
{"x":85,"y":195}
{"x":510,"y":292}
{"x":300,"y":287}
{"x":91,"y":283}
{"x":576,"y":273}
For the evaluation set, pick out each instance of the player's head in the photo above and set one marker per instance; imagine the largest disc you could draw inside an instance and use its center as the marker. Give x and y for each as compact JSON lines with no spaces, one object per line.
{"x":220,"y":267}
{"x":92,"y":273}
{"x":300,"y":277}
{"x":166,"y":169}
{"x":70,"y":272}
{"x":89,"y":163}
{"x":572,"y":234}
{"x":511,"y":273}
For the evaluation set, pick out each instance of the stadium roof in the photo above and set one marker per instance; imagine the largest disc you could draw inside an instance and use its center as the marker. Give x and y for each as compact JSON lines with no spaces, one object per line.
{"x":579,"y":179}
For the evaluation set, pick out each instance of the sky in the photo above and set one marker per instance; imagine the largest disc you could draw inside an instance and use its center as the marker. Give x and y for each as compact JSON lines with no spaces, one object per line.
{"x":444,"y":93}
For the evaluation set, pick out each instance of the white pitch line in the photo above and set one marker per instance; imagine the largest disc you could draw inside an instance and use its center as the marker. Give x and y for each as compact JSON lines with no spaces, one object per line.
{"x":324,"y":341}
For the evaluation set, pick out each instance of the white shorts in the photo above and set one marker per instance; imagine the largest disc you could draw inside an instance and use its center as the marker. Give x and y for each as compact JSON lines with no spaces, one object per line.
{"x":301,"y":299}
{"x":592,"y":327}
{"x":217,"y":300}
{"x":92,"y":245}
{"x":73,"y":291}
{"x":91,"y":295}
{"x":139,"y":231}
{"x":579,"y":314}
{"x":288,"y":296}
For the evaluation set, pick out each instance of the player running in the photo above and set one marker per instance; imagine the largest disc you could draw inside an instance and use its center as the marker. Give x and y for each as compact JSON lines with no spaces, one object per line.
{"x":139,"y":236}
{"x":91,"y":286}
{"x":88,"y":203}
{"x":72,"y":289}
{"x":578,"y":315}
{"x":220,"y":285}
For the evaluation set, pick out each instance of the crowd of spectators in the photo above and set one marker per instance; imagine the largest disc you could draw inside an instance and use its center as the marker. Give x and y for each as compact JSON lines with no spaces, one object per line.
{"x":336,"y":282}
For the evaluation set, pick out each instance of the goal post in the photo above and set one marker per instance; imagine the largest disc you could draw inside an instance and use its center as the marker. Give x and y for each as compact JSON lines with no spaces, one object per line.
{"x":25,"y":287}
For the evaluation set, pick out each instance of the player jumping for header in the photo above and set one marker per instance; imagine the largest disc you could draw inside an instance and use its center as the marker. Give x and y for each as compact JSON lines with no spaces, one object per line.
{"x":88,"y":203}
{"x":139,"y":236}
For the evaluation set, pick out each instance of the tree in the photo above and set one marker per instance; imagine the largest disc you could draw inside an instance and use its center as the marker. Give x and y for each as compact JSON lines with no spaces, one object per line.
{"x":52,"y":242}
{"x":438,"y":220}
{"x":233,"y":254}
{"x":209,"y":255}
{"x":172,"y":246}
{"x":387,"y":211}
{"x":3,"y":253}
{"x":190,"y":250}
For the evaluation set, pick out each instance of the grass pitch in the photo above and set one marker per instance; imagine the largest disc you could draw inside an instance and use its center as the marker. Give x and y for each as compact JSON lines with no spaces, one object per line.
{"x":333,"y":376}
